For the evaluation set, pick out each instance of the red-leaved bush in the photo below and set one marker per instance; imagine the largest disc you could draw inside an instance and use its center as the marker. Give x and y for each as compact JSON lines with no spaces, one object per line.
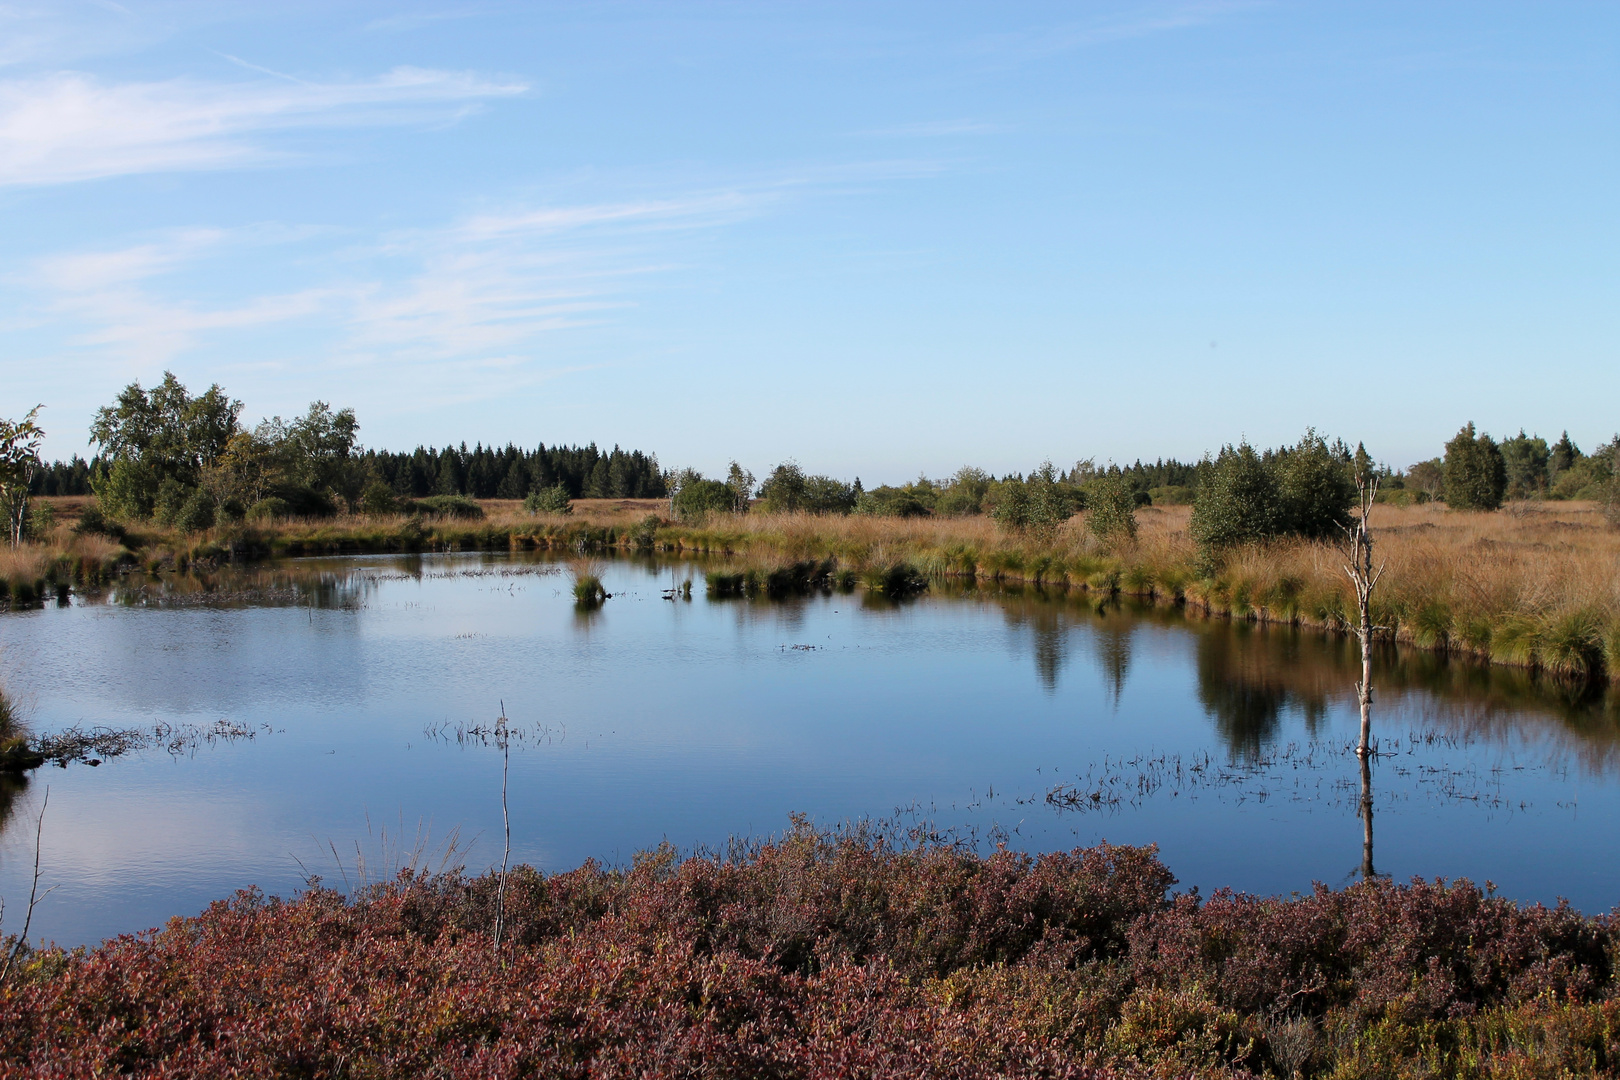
{"x":827,"y":955}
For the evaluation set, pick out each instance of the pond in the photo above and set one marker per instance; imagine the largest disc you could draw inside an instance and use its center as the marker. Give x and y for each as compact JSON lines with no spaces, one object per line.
{"x":332,"y":717}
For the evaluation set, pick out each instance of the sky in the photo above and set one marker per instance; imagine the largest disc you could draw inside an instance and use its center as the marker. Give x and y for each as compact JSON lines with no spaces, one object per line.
{"x":877,"y":239}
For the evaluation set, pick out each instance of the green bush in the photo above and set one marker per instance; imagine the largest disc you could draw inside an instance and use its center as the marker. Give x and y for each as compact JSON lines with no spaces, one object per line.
{"x":1111,"y":508}
{"x":196,"y":514}
{"x":1238,"y":502}
{"x":699,"y":497}
{"x":1475,"y":474}
{"x":449,"y":506}
{"x":378,"y":499}
{"x":551,"y":500}
{"x":269,"y":509}
{"x":1316,"y":488}
{"x":93,"y":520}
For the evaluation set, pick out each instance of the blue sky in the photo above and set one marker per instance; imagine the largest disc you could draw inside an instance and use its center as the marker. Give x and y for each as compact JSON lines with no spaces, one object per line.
{"x":880,"y":239}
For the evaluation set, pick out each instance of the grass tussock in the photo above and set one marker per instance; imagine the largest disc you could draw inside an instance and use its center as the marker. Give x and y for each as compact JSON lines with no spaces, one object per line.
{"x":822,"y":955}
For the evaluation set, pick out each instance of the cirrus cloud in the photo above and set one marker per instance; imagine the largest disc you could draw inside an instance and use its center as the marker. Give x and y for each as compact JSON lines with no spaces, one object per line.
{"x":69,"y":126}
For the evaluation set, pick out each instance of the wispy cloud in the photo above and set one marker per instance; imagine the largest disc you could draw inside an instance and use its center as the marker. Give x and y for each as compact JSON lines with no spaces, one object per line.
{"x":475,"y":291}
{"x":68,"y":126}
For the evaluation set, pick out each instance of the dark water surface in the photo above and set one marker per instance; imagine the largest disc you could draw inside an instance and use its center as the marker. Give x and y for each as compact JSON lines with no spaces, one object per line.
{"x":691,"y":721}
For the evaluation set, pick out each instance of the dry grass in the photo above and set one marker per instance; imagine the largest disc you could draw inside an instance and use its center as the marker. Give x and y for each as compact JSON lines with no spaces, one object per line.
{"x":1535,"y":585}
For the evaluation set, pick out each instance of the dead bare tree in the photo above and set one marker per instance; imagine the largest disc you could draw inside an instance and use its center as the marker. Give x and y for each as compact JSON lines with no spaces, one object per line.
{"x":1359,"y":554}
{"x":506,"y":823}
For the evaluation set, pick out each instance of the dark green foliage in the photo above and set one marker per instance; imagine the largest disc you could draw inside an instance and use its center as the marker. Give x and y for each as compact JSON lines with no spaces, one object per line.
{"x":92,"y":520}
{"x":1475,"y":474}
{"x":914,"y":500}
{"x":789,"y":490}
{"x":551,"y":500}
{"x":1527,"y":460}
{"x":1111,"y":508}
{"x":1238,"y":502}
{"x":195,"y":514}
{"x":487,"y":472}
{"x":378,"y":499}
{"x":1317,"y":487}
{"x":166,"y":429}
{"x":448,"y":506}
{"x":64,"y":477}
{"x":783,"y":490}
{"x":269,"y":509}
{"x":1561,"y":456}
{"x":1427,"y":480}
{"x":699,"y":497}
{"x":964,"y":493}
{"x":1039,"y":505}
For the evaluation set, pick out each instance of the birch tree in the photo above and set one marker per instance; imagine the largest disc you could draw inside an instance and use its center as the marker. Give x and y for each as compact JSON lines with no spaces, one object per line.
{"x":19,"y":457}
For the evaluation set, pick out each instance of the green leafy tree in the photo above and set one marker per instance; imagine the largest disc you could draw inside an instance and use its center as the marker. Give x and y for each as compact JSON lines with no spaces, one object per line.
{"x":1111,"y":508}
{"x":1427,"y":478}
{"x":783,"y":491}
{"x":1237,"y":503}
{"x":1474,"y":473}
{"x":19,"y":459}
{"x":549,"y":500}
{"x":741,"y":483}
{"x":965,"y":493}
{"x":156,"y":442}
{"x":699,"y":497}
{"x":1528,"y":463}
{"x":1316,"y":485}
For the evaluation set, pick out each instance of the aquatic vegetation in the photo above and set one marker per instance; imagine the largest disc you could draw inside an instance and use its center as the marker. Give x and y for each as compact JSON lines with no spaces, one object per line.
{"x":834,"y":954}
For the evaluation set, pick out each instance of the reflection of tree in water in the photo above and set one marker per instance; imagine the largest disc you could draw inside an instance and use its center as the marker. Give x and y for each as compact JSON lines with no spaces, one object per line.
{"x":1247,"y":678}
{"x":12,"y":787}
{"x":1048,"y":624}
{"x":1111,"y":639}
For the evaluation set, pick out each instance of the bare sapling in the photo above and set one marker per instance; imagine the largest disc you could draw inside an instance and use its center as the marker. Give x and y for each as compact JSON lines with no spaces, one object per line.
{"x":1359,"y":552}
{"x":1365,"y":579}
{"x":506,"y":824}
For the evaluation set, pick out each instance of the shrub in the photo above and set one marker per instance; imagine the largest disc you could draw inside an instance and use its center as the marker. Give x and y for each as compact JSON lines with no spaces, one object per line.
{"x":449,"y":506}
{"x":551,"y":500}
{"x":1238,"y":502}
{"x":93,"y":521}
{"x":1475,"y":475}
{"x":699,"y":497}
{"x":269,"y":509}
{"x":1316,"y":488}
{"x":378,"y":499}
{"x":1111,"y":508}
{"x":196,"y":514}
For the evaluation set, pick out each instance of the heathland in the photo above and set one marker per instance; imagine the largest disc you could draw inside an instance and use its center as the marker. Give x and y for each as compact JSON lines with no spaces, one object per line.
{"x":833,"y":955}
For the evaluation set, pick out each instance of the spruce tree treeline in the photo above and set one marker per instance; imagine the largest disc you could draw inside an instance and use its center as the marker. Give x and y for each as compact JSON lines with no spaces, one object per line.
{"x":510,"y":472}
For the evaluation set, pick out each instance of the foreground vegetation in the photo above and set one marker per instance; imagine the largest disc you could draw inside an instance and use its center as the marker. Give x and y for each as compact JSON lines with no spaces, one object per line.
{"x":831,"y":956}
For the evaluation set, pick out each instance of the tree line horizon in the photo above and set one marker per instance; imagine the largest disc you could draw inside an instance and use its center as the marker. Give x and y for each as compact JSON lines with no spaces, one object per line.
{"x":163,"y":448}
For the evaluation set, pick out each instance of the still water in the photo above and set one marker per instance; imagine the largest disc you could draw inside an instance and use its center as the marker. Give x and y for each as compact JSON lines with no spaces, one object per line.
{"x":691,"y":720}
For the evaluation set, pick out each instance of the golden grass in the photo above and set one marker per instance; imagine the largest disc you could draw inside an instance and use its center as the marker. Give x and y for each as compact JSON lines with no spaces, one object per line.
{"x":1535,"y":585}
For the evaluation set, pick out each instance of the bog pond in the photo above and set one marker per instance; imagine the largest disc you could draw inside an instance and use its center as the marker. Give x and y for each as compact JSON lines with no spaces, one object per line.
{"x":333,"y":716}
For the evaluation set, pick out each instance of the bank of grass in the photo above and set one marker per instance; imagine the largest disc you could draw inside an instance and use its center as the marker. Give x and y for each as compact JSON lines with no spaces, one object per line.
{"x":835,"y":955}
{"x":1536,"y":585}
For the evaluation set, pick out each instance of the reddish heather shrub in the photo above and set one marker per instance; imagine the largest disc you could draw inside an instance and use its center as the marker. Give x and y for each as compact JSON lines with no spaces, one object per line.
{"x":833,"y":955}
